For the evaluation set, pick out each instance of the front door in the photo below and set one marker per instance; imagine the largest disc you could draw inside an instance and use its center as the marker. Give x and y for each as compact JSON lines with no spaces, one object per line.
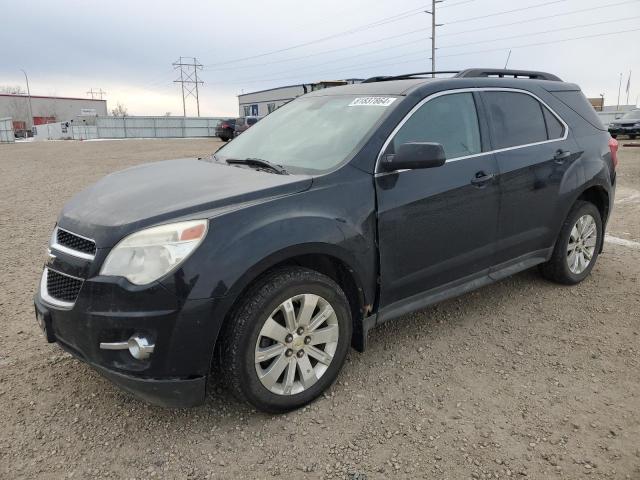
{"x":437,"y":225}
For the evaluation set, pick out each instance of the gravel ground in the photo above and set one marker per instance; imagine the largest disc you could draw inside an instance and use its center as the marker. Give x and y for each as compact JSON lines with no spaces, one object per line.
{"x":521,"y":379}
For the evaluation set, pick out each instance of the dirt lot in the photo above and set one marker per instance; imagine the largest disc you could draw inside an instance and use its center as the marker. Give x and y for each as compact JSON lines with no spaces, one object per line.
{"x":521,"y":379}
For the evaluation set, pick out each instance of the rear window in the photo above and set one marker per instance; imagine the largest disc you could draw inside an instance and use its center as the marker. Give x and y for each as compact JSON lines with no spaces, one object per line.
{"x":516,"y":119}
{"x":576,"y":101}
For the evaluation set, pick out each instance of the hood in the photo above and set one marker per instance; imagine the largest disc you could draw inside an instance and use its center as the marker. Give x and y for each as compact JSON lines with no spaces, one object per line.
{"x":129,"y":200}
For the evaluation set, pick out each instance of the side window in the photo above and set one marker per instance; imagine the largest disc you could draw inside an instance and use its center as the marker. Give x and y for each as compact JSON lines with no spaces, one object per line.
{"x":247,"y":110}
{"x":271,"y":107}
{"x":554,"y":128}
{"x":516,"y":119}
{"x":450,"y":120}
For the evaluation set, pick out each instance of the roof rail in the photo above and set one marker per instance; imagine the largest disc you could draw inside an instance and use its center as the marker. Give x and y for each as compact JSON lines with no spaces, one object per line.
{"x":472,"y":73}
{"x":405,"y":76}
{"x":501,"y":73}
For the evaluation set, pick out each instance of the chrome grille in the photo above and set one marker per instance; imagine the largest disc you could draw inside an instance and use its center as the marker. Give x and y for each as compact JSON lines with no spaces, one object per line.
{"x":75,"y":242}
{"x":62,"y":287}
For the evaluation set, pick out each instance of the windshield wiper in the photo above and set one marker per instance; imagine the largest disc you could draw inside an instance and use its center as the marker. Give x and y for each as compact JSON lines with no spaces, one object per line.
{"x":258,"y":162}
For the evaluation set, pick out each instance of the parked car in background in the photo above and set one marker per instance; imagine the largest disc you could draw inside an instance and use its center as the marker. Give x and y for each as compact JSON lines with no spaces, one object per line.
{"x":344,"y":209}
{"x":225,"y":129}
{"x":628,"y":124}
{"x":243,"y":123}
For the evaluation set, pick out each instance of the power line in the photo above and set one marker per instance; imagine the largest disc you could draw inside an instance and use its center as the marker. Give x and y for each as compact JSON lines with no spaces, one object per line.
{"x":251,"y":79}
{"x":505,"y":12}
{"x":529,"y":20}
{"x":551,"y":42}
{"x":553,"y":30}
{"x":421,"y":30}
{"x":383,"y":21}
{"x":472,"y":52}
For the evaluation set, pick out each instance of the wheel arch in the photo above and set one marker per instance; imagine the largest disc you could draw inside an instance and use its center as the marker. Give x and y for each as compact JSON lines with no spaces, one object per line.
{"x":599,"y":196}
{"x":323,"y":258}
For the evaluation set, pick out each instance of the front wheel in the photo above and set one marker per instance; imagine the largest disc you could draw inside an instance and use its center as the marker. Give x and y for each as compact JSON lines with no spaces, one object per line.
{"x":287,"y":341}
{"x":577,"y":246}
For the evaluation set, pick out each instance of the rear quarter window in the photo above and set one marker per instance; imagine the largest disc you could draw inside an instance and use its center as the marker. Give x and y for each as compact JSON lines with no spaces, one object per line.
{"x":576,"y":101}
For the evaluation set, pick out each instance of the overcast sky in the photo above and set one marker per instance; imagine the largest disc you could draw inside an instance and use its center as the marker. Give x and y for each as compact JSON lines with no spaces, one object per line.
{"x":127,"y":47}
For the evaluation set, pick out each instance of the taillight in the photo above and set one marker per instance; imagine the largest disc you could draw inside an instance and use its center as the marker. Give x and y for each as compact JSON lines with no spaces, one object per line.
{"x":225,"y":125}
{"x":613,"y":146}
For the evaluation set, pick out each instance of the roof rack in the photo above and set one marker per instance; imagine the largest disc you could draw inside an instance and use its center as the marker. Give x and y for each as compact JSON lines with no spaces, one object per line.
{"x":405,"y":76}
{"x":501,"y":73}
{"x":473,"y":73}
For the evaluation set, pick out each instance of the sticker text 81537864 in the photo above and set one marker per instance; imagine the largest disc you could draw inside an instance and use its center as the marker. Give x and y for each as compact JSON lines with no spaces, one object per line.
{"x":372,"y":101}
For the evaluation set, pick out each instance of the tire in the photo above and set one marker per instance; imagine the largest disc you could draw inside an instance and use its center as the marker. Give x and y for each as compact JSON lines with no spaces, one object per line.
{"x":224,"y":139}
{"x":614,"y":135}
{"x":247,"y":339}
{"x":563,"y":267}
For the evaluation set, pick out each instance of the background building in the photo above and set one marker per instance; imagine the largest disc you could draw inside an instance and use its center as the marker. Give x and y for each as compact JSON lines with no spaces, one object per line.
{"x":263,"y":102}
{"x":49,"y":109}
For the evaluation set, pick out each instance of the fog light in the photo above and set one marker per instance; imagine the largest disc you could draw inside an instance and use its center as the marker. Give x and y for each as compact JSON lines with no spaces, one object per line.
{"x":138,"y":346}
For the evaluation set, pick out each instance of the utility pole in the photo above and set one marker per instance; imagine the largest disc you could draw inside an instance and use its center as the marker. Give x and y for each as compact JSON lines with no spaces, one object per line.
{"x":433,"y":33}
{"x":29,"y":95}
{"x":188,"y":80}
{"x":96,"y":93}
{"x":628,"y":86}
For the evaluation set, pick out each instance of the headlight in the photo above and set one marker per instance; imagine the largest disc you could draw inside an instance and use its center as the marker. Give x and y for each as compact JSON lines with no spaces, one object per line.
{"x":147,"y":255}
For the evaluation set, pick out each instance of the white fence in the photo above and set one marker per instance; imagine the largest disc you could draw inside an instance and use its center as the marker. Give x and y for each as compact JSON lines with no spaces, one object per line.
{"x":6,"y":130}
{"x":150,"y":127}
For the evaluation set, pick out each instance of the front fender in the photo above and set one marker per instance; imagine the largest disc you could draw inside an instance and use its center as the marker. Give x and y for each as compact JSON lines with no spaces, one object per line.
{"x":329,"y":220}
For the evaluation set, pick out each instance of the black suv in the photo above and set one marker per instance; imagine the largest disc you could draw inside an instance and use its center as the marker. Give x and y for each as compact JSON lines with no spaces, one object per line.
{"x":628,"y":124}
{"x":344,"y":209}
{"x":225,"y":129}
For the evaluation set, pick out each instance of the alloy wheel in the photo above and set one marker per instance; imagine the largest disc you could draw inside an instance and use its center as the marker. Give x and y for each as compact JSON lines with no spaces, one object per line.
{"x":582,"y":244}
{"x":296,"y":344}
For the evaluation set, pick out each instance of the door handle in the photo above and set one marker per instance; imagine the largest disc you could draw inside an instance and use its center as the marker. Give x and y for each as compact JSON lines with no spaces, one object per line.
{"x":482,"y":178}
{"x":561,"y":156}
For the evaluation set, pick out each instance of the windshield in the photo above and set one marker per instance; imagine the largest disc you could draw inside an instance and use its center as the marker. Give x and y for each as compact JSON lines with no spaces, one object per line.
{"x":632,"y":115}
{"x":311,"y":133}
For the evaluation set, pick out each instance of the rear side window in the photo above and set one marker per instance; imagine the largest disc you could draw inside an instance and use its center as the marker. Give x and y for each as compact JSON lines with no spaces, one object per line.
{"x":516,"y":119}
{"x":554,"y":128}
{"x":450,"y":120}
{"x":251,"y":121}
{"x":576,"y":101}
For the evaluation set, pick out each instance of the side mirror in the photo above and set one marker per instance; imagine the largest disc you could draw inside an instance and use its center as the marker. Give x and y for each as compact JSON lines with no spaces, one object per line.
{"x":414,"y":155}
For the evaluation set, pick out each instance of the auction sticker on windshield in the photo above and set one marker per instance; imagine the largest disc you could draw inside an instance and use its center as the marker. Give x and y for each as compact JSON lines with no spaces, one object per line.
{"x":372,"y":101}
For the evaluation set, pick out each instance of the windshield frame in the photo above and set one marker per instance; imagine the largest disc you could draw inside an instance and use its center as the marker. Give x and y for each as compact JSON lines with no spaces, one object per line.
{"x":365,"y":138}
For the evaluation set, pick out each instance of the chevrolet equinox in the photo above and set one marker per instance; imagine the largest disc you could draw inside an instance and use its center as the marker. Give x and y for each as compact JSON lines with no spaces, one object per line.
{"x":344,"y":209}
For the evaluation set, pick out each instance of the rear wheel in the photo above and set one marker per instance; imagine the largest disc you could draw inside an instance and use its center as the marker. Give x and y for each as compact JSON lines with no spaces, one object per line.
{"x":577,"y":246}
{"x":287,"y":340}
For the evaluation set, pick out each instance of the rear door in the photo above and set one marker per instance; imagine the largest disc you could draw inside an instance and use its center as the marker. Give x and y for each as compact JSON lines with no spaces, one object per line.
{"x":437,"y":225}
{"x":533,"y":150}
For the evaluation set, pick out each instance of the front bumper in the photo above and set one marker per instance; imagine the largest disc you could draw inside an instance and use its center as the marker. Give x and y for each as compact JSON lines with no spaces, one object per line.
{"x":624,"y":130}
{"x":183,"y":332}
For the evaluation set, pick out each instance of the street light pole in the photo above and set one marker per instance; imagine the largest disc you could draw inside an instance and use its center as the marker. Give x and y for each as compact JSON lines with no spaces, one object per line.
{"x":29,"y":96}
